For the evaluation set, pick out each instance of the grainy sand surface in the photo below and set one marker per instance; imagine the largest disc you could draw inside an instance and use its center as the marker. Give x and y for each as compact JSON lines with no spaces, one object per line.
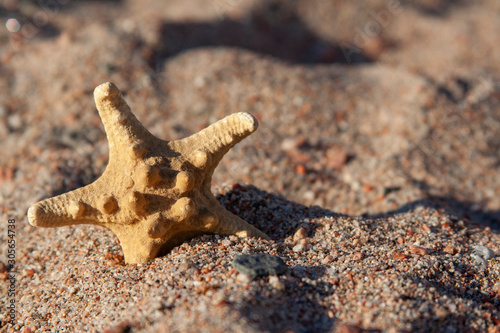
{"x":375,"y":169}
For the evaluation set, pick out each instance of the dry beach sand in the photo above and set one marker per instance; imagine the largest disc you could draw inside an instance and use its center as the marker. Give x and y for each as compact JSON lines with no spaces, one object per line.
{"x":375,"y":169}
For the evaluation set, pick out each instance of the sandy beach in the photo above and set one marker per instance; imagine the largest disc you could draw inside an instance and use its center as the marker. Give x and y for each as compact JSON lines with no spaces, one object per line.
{"x":375,"y":168}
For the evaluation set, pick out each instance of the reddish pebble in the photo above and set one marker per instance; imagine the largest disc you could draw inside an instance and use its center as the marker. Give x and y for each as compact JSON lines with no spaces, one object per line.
{"x":300,"y":169}
{"x":336,"y":158}
{"x":237,"y":186}
{"x":301,"y":233}
{"x":30,"y":272}
{"x":441,"y":312}
{"x":6,"y":173}
{"x":450,"y":249}
{"x":400,"y":240}
{"x":425,"y":227}
{"x":374,"y":47}
{"x":6,"y":58}
{"x":418,"y":250}
{"x":399,"y":256}
{"x":447,"y":227}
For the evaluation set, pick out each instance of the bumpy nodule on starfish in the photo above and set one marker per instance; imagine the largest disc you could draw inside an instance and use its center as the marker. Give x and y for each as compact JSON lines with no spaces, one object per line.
{"x":154,"y":194}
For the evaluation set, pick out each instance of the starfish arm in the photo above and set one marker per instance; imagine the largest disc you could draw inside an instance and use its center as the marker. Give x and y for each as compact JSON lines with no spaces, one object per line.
{"x":207,"y":147}
{"x":137,"y":247}
{"x":122,"y":127}
{"x":221,"y":221}
{"x":75,"y":207}
{"x":230,"y":224}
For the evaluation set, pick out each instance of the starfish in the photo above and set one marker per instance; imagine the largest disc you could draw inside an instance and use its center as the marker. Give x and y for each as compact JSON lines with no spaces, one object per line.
{"x":154,"y":194}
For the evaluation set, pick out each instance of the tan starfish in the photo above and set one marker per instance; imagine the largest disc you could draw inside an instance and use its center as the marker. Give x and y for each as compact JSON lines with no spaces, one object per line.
{"x":154,"y":194}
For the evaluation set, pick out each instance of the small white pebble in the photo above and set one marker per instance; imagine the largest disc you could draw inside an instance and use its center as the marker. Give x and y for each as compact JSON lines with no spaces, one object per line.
{"x":331,"y":270}
{"x":15,"y":121}
{"x":199,"y":81}
{"x":183,"y":267}
{"x":308,"y":195}
{"x":326,"y":260}
{"x":289,"y":144}
{"x":484,"y":252}
{"x":479,"y":260}
{"x":299,"y":248}
{"x":218,"y":299}
{"x":276,"y":283}
{"x":245,"y":278}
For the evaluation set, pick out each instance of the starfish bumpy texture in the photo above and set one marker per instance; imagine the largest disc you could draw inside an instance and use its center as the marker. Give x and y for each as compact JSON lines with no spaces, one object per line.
{"x":154,"y":194}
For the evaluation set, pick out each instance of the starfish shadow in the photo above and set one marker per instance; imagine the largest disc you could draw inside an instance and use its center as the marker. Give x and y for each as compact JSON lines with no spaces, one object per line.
{"x":439,"y":8}
{"x":272,"y":29}
{"x":458,"y":209}
{"x":271,"y":213}
{"x":279,"y":218}
{"x":288,"y":310}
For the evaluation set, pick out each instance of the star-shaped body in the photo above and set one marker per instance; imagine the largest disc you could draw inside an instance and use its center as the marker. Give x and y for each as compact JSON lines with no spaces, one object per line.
{"x":154,"y":194}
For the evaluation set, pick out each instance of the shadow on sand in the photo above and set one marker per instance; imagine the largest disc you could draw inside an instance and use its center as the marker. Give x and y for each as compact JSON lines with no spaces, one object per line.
{"x":279,"y":218}
{"x":272,"y":29}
